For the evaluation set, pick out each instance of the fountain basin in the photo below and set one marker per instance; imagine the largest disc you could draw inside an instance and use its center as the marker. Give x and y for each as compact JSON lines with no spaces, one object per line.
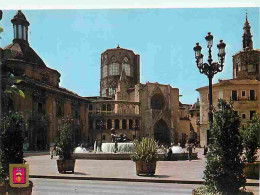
{"x":126,"y":147}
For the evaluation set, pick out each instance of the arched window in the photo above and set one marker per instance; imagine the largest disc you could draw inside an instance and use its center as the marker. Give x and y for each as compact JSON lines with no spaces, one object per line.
{"x":103,"y":92}
{"x":116,"y":124}
{"x":126,"y":67}
{"x":109,"y":123}
{"x":103,"y":108}
{"x":104,"y":71}
{"x":109,"y":107}
{"x":24,"y":33}
{"x":111,"y":91}
{"x":19,"y":31}
{"x":124,"y":124}
{"x":130,"y":124}
{"x":136,"y":123}
{"x":114,"y":69}
{"x":157,"y":102}
{"x":90,"y":107}
{"x":97,"y":124}
{"x":15,"y":35}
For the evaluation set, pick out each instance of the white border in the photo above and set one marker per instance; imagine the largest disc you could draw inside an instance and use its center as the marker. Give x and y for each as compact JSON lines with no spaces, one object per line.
{"x":123,"y":4}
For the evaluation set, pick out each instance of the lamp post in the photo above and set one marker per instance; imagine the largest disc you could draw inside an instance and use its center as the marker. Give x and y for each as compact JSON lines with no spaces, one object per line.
{"x":136,"y":127}
{"x":101,"y":123}
{"x":211,"y":68}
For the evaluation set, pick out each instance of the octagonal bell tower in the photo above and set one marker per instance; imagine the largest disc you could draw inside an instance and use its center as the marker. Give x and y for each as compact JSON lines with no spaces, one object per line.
{"x":113,"y":62}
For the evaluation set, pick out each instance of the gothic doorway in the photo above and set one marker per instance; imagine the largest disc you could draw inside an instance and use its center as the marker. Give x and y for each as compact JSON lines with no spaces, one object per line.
{"x":162,"y":133}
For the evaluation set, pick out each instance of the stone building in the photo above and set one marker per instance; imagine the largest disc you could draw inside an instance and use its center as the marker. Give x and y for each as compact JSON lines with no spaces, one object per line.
{"x":243,"y":89}
{"x":194,"y":112}
{"x":45,"y":103}
{"x":113,"y":61}
{"x":132,"y":108}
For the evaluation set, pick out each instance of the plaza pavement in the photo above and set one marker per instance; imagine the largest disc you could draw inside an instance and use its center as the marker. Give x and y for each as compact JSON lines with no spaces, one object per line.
{"x":189,"y":172}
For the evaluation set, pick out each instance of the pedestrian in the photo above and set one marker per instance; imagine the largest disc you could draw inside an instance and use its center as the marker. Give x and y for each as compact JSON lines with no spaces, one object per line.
{"x":116,"y":146}
{"x":205,"y":150}
{"x":169,"y":153}
{"x":53,"y":150}
{"x":194,"y":147}
{"x":189,"y":149}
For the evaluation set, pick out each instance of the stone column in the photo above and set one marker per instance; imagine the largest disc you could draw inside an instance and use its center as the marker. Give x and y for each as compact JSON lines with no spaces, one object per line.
{"x":120,"y":124}
{"x":113,"y":123}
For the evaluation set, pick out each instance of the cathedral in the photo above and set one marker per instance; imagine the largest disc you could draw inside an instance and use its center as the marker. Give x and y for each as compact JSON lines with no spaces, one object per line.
{"x":130,"y":107}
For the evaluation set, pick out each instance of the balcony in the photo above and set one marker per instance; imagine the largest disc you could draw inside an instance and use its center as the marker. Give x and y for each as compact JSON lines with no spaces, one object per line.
{"x":245,"y":99}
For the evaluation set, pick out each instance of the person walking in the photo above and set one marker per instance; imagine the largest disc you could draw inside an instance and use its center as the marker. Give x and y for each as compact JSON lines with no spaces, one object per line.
{"x":169,"y":153}
{"x":189,"y":149}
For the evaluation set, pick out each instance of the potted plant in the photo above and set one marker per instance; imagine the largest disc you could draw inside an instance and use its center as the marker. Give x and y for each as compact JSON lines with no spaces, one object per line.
{"x":251,"y":142}
{"x":12,"y":127}
{"x":145,"y":156}
{"x":65,"y":148}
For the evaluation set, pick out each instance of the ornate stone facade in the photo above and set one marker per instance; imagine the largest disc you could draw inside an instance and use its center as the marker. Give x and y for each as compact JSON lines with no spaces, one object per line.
{"x":45,"y":102}
{"x":133,"y":109}
{"x":113,"y":62}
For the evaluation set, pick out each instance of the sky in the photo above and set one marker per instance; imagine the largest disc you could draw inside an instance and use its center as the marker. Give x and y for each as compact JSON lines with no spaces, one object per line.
{"x":71,"y":41}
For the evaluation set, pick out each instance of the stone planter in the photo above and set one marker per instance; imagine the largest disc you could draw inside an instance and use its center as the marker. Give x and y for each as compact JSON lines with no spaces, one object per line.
{"x":66,"y":165}
{"x":8,"y":190}
{"x":251,"y":170}
{"x":143,"y":168}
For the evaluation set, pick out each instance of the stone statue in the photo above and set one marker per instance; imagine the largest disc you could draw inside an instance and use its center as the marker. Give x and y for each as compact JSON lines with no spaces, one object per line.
{"x":118,"y":138}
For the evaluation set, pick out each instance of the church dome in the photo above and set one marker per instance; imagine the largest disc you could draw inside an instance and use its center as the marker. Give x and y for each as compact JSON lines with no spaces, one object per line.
{"x":24,"y":53}
{"x":196,"y":105}
{"x":19,"y":16}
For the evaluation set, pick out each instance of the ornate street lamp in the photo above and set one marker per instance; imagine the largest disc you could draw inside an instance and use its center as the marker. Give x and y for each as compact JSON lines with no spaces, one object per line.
{"x":211,"y":68}
{"x":101,"y":124}
{"x":136,"y":127}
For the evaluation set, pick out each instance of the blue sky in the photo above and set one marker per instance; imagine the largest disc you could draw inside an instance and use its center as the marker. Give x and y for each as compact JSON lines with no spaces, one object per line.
{"x":71,"y":41}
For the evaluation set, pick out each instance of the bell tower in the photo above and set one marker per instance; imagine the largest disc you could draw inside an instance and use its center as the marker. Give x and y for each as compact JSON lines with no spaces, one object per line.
{"x":246,"y":62}
{"x":20,"y":26}
{"x":247,"y":36}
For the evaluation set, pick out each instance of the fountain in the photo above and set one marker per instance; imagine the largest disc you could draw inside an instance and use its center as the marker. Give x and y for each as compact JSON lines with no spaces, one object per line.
{"x":177,"y":149}
{"x":80,"y":149}
{"x":125,"y":147}
{"x":179,"y":153}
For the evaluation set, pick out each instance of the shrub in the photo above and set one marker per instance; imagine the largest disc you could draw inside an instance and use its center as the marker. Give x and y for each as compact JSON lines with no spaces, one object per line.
{"x":65,"y":146}
{"x":224,"y":169}
{"x":251,"y":140}
{"x":12,"y":138}
{"x":145,"y":150}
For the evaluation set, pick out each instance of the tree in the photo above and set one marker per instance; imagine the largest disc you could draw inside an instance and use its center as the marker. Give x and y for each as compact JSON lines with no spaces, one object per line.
{"x":251,"y":140}
{"x":12,"y":138}
{"x":224,"y":169}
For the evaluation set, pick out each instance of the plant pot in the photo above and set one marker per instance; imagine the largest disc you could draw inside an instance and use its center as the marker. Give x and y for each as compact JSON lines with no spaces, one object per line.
{"x":66,"y":165}
{"x":3,"y":189}
{"x":251,"y":170}
{"x":144,"y":168}
{"x":8,"y":190}
{"x":194,"y":192}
